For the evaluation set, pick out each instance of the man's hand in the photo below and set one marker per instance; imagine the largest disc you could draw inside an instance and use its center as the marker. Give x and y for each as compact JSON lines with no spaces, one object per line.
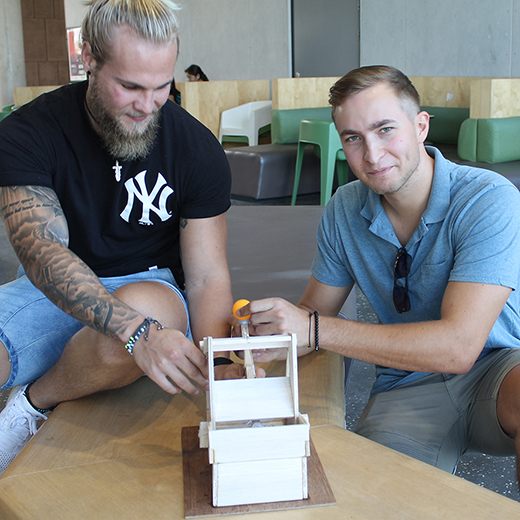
{"x":172,"y":361}
{"x":275,"y":316}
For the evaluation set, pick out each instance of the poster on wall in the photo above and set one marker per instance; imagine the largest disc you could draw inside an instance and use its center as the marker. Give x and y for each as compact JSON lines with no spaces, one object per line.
{"x":76,"y":70}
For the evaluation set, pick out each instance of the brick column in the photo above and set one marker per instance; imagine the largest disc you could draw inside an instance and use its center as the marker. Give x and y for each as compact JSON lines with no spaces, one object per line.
{"x":45,"y":42}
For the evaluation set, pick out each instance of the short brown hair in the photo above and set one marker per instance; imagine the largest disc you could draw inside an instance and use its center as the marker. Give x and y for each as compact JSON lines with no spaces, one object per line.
{"x":365,"y":77}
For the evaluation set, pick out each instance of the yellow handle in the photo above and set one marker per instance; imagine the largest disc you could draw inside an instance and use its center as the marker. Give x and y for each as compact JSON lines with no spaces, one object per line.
{"x":238,"y":305}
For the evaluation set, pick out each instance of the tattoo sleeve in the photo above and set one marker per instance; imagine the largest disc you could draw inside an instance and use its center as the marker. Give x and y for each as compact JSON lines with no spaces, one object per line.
{"x":38,"y":231}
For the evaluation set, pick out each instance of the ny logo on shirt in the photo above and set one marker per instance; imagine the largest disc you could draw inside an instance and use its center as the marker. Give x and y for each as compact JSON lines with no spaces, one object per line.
{"x":138,"y":189}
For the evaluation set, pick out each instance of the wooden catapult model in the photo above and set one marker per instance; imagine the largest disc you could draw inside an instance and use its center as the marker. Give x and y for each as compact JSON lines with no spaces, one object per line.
{"x":257,"y":440}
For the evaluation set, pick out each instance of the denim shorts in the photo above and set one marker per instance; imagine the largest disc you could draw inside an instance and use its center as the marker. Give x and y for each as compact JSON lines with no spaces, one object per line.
{"x":35,"y":332}
{"x":442,"y":416}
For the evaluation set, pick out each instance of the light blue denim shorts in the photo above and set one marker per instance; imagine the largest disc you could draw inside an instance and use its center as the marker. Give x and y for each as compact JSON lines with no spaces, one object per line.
{"x":35,"y":331}
{"x":442,"y":416}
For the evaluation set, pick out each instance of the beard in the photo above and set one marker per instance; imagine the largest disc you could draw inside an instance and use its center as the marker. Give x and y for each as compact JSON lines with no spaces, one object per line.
{"x":122,"y":143}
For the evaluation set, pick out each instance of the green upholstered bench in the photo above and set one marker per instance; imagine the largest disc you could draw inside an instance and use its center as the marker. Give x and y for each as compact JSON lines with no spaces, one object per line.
{"x":267,"y":171}
{"x":494,"y":140}
{"x":285,"y":124}
{"x":445,"y":123}
{"x":493,"y":144}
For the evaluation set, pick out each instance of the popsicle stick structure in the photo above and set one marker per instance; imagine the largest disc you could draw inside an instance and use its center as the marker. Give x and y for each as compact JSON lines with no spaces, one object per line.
{"x":249,"y":363}
{"x":257,"y":440}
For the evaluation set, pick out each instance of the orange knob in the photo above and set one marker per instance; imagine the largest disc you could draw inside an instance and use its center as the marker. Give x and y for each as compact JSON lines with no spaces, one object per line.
{"x":238,"y":305}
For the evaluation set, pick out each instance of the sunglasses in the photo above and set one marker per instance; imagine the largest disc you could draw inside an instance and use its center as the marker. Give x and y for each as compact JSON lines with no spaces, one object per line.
{"x":402,"y":264}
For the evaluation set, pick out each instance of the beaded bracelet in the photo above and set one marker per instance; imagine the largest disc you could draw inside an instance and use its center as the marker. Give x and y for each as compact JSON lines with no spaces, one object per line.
{"x":221,"y":361}
{"x":43,"y":411}
{"x":144,"y":327}
{"x":316,"y":331}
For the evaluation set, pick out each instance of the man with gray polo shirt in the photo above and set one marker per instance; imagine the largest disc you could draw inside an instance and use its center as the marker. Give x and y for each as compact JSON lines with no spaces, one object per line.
{"x":435,"y":248}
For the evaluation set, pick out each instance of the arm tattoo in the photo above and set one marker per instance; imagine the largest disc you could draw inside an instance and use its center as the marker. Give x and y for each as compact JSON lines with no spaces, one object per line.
{"x":184,"y":222}
{"x":38,"y":231}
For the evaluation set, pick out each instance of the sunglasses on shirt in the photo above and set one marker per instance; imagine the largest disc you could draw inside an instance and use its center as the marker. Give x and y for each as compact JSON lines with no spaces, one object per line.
{"x":402,"y":264}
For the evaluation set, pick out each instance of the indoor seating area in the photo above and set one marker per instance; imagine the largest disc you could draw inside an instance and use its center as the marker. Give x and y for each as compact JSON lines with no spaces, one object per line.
{"x":122,"y":453}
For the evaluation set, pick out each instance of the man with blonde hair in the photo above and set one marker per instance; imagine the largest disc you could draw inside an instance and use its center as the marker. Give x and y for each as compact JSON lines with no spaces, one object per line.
{"x":114,"y":200}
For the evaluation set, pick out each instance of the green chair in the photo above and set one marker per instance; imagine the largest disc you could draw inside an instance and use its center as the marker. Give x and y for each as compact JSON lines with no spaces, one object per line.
{"x":6,"y":111}
{"x":324,"y":135}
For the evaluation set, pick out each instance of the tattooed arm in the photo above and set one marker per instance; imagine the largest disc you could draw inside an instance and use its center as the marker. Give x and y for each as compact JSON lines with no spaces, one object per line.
{"x":38,"y":231}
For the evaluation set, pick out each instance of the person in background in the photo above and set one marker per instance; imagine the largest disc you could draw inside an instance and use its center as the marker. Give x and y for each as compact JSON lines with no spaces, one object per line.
{"x":435,"y":248}
{"x":194,"y":73}
{"x":175,"y":95}
{"x":114,"y":200}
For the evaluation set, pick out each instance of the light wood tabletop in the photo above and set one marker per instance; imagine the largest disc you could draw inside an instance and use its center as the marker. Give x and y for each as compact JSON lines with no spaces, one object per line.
{"x":117,"y":455}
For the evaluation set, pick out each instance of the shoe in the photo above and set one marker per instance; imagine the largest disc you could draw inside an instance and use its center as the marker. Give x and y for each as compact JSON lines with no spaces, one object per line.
{"x":18,"y":425}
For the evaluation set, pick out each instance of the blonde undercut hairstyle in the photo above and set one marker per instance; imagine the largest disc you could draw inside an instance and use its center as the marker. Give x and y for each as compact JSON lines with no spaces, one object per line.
{"x":155,"y":20}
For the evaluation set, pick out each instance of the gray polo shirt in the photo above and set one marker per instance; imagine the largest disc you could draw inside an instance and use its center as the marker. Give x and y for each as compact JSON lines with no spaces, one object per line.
{"x":468,"y":233}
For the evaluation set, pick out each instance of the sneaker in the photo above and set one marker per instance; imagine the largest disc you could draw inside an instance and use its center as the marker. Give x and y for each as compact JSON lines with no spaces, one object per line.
{"x":18,"y":425}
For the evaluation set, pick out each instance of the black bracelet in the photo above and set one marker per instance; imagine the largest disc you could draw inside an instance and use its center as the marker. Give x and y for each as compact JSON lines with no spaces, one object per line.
{"x":221,"y":361}
{"x":310,"y":324}
{"x":39,"y":410}
{"x":144,"y":327}
{"x":316,"y":331}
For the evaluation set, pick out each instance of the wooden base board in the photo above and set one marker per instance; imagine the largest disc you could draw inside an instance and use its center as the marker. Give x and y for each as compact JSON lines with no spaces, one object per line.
{"x":197,"y":483}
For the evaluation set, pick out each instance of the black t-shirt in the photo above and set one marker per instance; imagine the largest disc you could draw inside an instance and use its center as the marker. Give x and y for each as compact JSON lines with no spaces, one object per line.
{"x":123,"y":217}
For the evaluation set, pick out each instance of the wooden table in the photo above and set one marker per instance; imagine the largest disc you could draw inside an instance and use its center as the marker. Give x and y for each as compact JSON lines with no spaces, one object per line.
{"x":117,"y":455}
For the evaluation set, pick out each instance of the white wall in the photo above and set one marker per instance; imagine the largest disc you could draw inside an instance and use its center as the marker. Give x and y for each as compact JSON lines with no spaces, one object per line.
{"x":12,"y":57}
{"x":228,"y":39}
{"x":235,"y":39}
{"x":250,"y":39}
{"x":75,"y":11}
{"x":442,"y":37}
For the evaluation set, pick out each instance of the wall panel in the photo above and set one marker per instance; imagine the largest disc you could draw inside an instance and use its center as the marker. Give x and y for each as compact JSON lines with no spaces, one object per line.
{"x":12,"y":60}
{"x":442,"y":38}
{"x":229,"y":39}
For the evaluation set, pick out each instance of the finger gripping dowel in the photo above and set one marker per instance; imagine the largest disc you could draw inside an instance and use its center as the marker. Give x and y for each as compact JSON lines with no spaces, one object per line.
{"x":244,"y":325}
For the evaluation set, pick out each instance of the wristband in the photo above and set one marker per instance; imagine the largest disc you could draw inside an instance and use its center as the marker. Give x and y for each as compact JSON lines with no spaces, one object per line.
{"x":310,"y":325}
{"x":222,"y":361}
{"x":316,"y":331}
{"x":144,"y":327}
{"x":43,"y":411}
